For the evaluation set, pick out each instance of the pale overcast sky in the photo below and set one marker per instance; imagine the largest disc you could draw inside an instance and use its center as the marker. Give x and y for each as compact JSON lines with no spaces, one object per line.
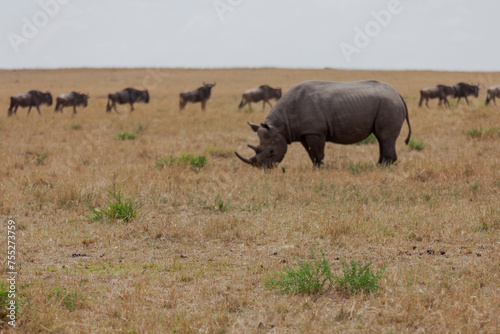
{"x":354,"y":34}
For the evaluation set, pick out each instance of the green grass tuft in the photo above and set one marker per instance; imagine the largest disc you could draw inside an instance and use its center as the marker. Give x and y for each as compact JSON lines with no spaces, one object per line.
{"x":359,"y":278}
{"x":119,"y":209}
{"x":311,"y":277}
{"x":126,"y":136}
{"x":196,"y":162}
{"x":416,"y":145}
{"x":305,"y":278}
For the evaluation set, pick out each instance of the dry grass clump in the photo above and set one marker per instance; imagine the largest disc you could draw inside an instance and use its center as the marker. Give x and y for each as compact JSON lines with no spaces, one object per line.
{"x":209,"y":230}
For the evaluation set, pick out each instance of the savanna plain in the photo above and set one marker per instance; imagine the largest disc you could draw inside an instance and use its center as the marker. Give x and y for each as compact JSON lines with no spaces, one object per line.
{"x":205,"y":230}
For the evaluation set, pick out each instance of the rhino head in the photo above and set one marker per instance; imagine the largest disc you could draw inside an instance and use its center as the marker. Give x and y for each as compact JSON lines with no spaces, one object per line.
{"x":272,"y":147}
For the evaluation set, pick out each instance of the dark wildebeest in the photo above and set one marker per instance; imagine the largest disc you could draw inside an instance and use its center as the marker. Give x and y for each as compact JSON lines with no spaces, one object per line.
{"x":71,"y":99}
{"x":263,"y":93}
{"x":128,"y":95}
{"x":440,"y":91}
{"x":316,"y":112}
{"x":201,"y":94}
{"x":464,"y":90}
{"x":493,"y":92}
{"x":33,"y":98}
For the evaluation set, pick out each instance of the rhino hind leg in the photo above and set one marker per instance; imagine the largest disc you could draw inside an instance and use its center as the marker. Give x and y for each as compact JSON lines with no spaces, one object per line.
{"x":387,"y":148}
{"x":315,"y":147}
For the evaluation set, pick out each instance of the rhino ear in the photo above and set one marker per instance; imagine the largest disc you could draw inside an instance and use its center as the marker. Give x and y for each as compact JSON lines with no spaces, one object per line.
{"x":265,"y":126}
{"x":254,"y":126}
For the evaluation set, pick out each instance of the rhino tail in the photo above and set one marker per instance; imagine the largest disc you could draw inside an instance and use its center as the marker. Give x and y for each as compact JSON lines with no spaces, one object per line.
{"x":407,"y":121}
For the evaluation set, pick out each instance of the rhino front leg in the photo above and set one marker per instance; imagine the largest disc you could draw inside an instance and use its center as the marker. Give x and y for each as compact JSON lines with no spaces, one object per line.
{"x":315,"y":147}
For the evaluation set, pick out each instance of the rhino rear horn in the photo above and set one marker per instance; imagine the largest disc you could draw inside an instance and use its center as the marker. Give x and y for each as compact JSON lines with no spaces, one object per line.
{"x":252,"y":147}
{"x":255,"y":127}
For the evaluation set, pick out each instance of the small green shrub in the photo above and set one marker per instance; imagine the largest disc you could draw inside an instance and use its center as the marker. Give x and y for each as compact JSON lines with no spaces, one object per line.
{"x":416,"y":145}
{"x":359,"y":278}
{"x":119,"y":209}
{"x":368,"y":140}
{"x":75,"y":126}
{"x":307,"y":277}
{"x":126,"y":136}
{"x":312,"y":276}
{"x":195,"y":161}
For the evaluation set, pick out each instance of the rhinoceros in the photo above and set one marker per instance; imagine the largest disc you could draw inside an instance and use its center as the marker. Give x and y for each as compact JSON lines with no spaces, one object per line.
{"x":314,"y":112}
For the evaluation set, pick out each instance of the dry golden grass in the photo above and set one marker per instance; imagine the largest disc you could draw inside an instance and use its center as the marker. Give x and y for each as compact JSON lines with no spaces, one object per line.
{"x":194,"y":258}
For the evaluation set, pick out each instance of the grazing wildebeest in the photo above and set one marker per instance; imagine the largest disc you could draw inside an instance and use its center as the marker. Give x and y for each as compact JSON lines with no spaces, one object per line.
{"x":71,"y":99}
{"x":314,"y":112}
{"x":263,"y":93}
{"x":464,"y":90}
{"x":493,"y":92}
{"x":33,"y":98}
{"x":128,"y":95}
{"x":440,"y":91}
{"x":201,"y":94}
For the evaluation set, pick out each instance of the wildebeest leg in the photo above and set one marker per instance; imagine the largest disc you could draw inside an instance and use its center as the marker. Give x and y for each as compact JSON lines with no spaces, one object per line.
{"x":466,"y":99}
{"x":242,"y":103}
{"x":315,"y":147}
{"x":38,"y":109}
{"x":74,"y":109}
{"x":203,"y":103}
{"x":29,"y":109}
{"x":387,"y":148}
{"x":458,"y":101}
{"x":131,"y":106}
{"x":446,"y":103}
{"x":421,"y":100}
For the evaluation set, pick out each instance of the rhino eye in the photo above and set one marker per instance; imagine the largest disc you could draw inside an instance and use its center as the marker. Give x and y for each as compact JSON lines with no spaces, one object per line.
{"x":271,"y":152}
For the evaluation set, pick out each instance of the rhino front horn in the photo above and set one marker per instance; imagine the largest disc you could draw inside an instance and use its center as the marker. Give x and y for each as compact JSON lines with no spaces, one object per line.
{"x":248,"y":161}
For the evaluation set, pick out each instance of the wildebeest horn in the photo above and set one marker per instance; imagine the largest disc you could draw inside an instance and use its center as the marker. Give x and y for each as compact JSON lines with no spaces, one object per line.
{"x":252,"y":147}
{"x":248,"y":161}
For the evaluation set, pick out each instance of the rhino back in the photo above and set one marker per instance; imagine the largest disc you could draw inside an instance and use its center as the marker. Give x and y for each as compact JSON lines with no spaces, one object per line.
{"x":344,"y":112}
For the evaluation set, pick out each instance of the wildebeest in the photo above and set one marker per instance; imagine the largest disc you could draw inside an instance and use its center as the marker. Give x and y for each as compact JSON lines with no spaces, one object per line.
{"x":493,"y":92}
{"x":128,"y":95}
{"x":262,"y":93}
{"x":440,"y":91}
{"x":201,"y":94}
{"x":464,"y":90}
{"x":33,"y":98}
{"x":314,"y":112}
{"x":71,"y":99}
